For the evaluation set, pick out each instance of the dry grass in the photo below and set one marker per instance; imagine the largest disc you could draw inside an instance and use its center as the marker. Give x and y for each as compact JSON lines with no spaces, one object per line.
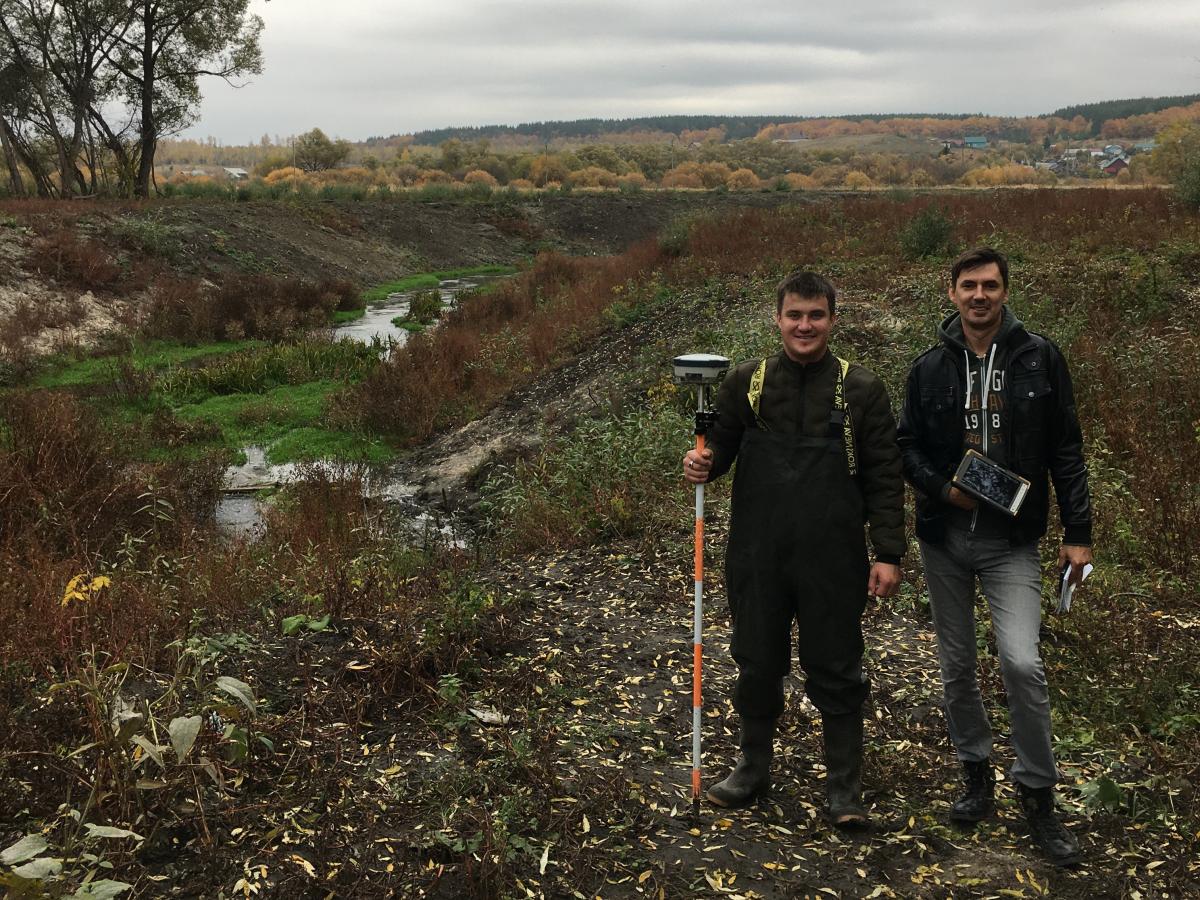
{"x":243,"y":306}
{"x":494,"y":342}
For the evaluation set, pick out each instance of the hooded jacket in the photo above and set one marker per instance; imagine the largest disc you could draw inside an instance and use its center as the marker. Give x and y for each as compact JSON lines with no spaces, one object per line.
{"x":1042,"y":440}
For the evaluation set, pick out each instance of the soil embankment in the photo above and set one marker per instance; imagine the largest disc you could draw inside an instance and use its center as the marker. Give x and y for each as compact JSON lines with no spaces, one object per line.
{"x":51,"y":254}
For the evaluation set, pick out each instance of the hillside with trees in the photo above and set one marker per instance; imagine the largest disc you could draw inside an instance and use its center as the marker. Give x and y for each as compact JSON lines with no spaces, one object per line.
{"x":863,"y":152}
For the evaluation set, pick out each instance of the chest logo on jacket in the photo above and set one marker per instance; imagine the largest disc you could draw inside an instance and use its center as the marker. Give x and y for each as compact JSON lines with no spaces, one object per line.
{"x":974,"y":413}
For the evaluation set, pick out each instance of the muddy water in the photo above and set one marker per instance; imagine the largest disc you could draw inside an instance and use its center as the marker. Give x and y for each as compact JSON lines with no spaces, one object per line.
{"x":377,"y":322}
{"x":239,"y":511}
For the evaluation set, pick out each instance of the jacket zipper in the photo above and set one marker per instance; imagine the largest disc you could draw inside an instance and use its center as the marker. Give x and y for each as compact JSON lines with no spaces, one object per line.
{"x":985,"y":386}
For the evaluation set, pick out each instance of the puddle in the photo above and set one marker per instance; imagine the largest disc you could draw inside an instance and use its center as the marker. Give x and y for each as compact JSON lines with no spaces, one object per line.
{"x":239,"y":515}
{"x":377,"y":322}
{"x":239,"y":511}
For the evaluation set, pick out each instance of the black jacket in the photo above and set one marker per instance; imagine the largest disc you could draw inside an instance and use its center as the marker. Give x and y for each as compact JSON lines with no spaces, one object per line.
{"x":1041,"y":429}
{"x":797,"y":399}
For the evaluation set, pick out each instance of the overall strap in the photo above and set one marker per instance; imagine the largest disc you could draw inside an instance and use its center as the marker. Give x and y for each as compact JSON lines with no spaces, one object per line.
{"x":839,"y":419}
{"x":754,"y":395}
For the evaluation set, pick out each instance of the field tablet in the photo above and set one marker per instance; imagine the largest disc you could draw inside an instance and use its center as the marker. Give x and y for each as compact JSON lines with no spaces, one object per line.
{"x":988,"y":481}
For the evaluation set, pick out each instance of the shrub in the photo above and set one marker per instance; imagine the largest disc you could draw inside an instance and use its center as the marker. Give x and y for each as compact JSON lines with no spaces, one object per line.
{"x":632,"y":181}
{"x":63,"y":256}
{"x":288,"y":174}
{"x":714,"y":174}
{"x":743,"y":180}
{"x":857,"y":181}
{"x":478,"y":176}
{"x":521,"y":184}
{"x":798,"y":181}
{"x":1187,"y":184}
{"x":685,"y":175}
{"x":1008,"y":173}
{"x":244,"y":306}
{"x":546,"y":169}
{"x":929,"y":233}
{"x":425,"y":307}
{"x":594,"y":177}
{"x":406,"y":174}
{"x":70,"y":487}
{"x":356,"y":175}
{"x":493,"y":342}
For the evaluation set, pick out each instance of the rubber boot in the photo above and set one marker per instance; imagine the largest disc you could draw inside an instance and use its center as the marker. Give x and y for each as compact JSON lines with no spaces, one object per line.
{"x":978,"y":800}
{"x":843,"y":770}
{"x":1048,"y":833}
{"x":751,"y":777}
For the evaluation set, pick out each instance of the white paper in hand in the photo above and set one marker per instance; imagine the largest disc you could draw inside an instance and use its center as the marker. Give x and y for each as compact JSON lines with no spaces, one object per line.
{"x":1067,"y":589}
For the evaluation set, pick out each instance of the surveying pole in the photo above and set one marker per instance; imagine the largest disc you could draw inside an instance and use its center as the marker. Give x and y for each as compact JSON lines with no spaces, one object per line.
{"x":700,"y":370}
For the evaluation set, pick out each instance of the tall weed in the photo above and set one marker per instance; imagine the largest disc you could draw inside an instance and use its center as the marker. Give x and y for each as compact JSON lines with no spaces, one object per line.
{"x":606,"y":479}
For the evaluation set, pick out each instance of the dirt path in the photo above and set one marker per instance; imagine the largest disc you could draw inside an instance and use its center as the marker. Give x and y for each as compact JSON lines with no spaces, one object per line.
{"x":613,"y":627}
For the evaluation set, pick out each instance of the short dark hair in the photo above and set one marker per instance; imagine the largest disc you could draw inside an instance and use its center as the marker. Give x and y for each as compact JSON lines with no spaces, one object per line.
{"x":808,"y":285}
{"x":979,"y":256}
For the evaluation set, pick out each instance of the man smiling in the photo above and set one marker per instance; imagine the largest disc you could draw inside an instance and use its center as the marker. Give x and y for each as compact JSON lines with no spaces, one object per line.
{"x":814,"y":439}
{"x":1004,"y":392}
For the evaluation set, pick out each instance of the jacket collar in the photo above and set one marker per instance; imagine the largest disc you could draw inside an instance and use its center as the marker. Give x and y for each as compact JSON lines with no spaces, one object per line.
{"x":812,"y":368}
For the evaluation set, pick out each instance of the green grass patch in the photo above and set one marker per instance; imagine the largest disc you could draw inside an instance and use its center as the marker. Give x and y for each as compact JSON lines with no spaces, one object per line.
{"x":408,"y":324}
{"x":287,"y":420}
{"x":262,"y":369}
{"x":342,"y":316}
{"x":380,"y":292}
{"x":260,"y":418}
{"x":64,"y":372}
{"x":303,"y":444}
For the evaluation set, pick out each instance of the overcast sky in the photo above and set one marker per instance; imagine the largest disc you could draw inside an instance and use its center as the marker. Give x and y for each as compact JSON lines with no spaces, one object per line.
{"x":357,"y":68}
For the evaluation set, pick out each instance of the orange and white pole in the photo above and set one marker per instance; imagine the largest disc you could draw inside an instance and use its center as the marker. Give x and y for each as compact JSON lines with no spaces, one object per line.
{"x":698,"y":612}
{"x":701,"y":370}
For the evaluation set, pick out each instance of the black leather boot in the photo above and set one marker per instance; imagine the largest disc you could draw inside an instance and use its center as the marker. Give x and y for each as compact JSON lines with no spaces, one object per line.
{"x":978,"y":800}
{"x":751,"y":777}
{"x":1048,"y":833}
{"x":843,"y":770}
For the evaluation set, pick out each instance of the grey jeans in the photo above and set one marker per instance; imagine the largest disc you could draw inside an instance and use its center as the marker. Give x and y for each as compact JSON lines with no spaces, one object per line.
{"x":1011,"y":581}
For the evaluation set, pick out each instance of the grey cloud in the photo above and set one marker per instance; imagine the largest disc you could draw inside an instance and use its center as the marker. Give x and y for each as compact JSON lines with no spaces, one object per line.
{"x":389,"y":68}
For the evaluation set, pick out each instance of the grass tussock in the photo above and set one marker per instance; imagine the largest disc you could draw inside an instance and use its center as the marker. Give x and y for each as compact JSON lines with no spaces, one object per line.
{"x":561,"y":498}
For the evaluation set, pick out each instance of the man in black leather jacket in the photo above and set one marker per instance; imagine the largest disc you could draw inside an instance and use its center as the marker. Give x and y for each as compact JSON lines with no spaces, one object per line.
{"x":1005,"y":392}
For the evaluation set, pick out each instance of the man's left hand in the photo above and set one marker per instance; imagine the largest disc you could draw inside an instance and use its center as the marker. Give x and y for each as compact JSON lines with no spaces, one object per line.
{"x":884,"y":580}
{"x":1078,"y":557}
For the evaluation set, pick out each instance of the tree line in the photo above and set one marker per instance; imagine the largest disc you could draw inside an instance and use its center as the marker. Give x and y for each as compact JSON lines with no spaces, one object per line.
{"x":89,"y":87}
{"x":1100,"y":113}
{"x":1078,"y":121}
